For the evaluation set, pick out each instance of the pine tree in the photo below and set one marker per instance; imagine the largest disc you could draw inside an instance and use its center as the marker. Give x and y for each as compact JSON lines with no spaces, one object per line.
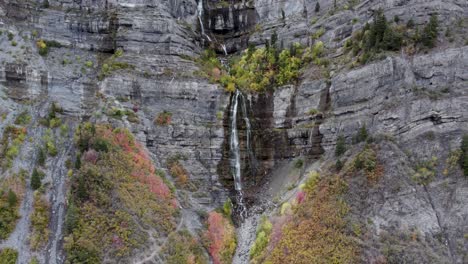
{"x":12,"y":198}
{"x":340,"y":146}
{"x":464,"y":155}
{"x":391,"y":40}
{"x":71,"y":218}
{"x":35,"y":180}
{"x":41,"y":157}
{"x":81,"y":191}
{"x":430,"y":32}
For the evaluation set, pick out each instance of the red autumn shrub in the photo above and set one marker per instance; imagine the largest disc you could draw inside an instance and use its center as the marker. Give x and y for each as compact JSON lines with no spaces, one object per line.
{"x":91,"y":156}
{"x":300,"y":197}
{"x":221,"y":238}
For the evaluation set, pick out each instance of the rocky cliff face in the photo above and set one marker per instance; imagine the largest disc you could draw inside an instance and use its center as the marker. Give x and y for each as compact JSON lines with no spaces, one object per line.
{"x":141,"y":56}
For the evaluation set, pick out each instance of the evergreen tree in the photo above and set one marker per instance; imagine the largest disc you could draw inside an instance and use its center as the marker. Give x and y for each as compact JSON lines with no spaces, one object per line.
{"x":340,"y":146}
{"x":430,"y":32}
{"x":12,"y":198}
{"x":317,"y":7}
{"x":464,"y":155}
{"x":41,"y":157}
{"x":361,"y":134}
{"x":35,"y":180}
{"x":391,"y":40}
{"x":379,"y":27}
{"x":71,"y":218}
{"x":81,"y":191}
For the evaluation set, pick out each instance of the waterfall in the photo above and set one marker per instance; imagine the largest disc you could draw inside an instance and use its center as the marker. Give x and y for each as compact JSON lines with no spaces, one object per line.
{"x":224,"y":49}
{"x":234,"y":143}
{"x":249,"y":134}
{"x":235,"y":148}
{"x":200,"y":19}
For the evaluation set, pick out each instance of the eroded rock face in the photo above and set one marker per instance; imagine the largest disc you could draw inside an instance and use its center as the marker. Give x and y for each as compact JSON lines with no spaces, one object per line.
{"x":417,"y":103}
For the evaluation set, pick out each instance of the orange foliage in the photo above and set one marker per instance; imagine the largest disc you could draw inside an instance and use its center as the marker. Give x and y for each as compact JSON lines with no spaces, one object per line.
{"x":179,"y":172}
{"x":317,"y":231}
{"x":142,"y":166}
{"x":221,"y":238}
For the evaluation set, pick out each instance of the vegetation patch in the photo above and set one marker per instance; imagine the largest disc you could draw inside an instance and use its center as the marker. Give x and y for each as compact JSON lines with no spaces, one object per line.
{"x":425,"y":172}
{"x":220,"y":238}
{"x":116,"y":197}
{"x":258,"y":70}
{"x":118,"y":113}
{"x":381,"y":35}
{"x":316,"y":231}
{"x":43,"y":46}
{"x":39,"y":222}
{"x":164,"y":118}
{"x":8,"y":256}
{"x":464,"y":155}
{"x":261,"y":240}
{"x":367,"y":161}
{"x":12,"y":140}
{"x":183,"y":248}
{"x":111,"y":65}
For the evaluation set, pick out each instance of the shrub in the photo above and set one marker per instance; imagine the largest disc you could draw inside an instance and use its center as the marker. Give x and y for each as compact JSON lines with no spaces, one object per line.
{"x":262,"y":238}
{"x":221,"y":238}
{"x":89,"y":64}
{"x":340,"y":148}
{"x":260,"y":69}
{"x":361,"y":135}
{"x":298,"y":163}
{"x":36,"y":179}
{"x":430,"y":32}
{"x":24,"y":118}
{"x":183,"y":248}
{"x":10,"y":36}
{"x":464,"y":155}
{"x":40,"y":222}
{"x":163,"y":118}
{"x":8,"y":256}
{"x":8,"y":213}
{"x":367,"y":160}
{"x":317,"y":231}
{"x":227,"y":208}
{"x":42,"y":46}
{"x":96,"y":228}
{"x":425,"y":172}
{"x":14,"y":43}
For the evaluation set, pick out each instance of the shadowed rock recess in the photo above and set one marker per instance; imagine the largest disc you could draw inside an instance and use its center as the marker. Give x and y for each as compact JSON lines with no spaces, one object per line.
{"x":349,"y":143}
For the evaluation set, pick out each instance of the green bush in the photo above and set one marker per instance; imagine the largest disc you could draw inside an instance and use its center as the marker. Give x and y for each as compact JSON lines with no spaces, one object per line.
{"x":8,"y":213}
{"x":361,"y":135}
{"x":425,"y":172}
{"x":24,"y":118}
{"x":10,"y":36}
{"x":36,"y":178}
{"x":430,"y":32}
{"x":340,"y":148}
{"x":262,"y":238}
{"x":8,"y":256}
{"x":464,"y":155}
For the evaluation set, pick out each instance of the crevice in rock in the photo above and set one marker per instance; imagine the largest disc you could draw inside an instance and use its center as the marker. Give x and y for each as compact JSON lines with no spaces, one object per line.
{"x":450,"y":249}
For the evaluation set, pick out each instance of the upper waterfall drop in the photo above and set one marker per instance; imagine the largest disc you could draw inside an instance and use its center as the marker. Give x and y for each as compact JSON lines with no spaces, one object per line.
{"x":234,"y":144}
{"x":200,"y":19}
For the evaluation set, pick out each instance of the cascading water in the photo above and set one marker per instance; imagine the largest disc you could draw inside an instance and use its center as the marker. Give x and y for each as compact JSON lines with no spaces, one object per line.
{"x":224,"y":49}
{"x":235,"y":154}
{"x":248,"y":132}
{"x":200,"y":19}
